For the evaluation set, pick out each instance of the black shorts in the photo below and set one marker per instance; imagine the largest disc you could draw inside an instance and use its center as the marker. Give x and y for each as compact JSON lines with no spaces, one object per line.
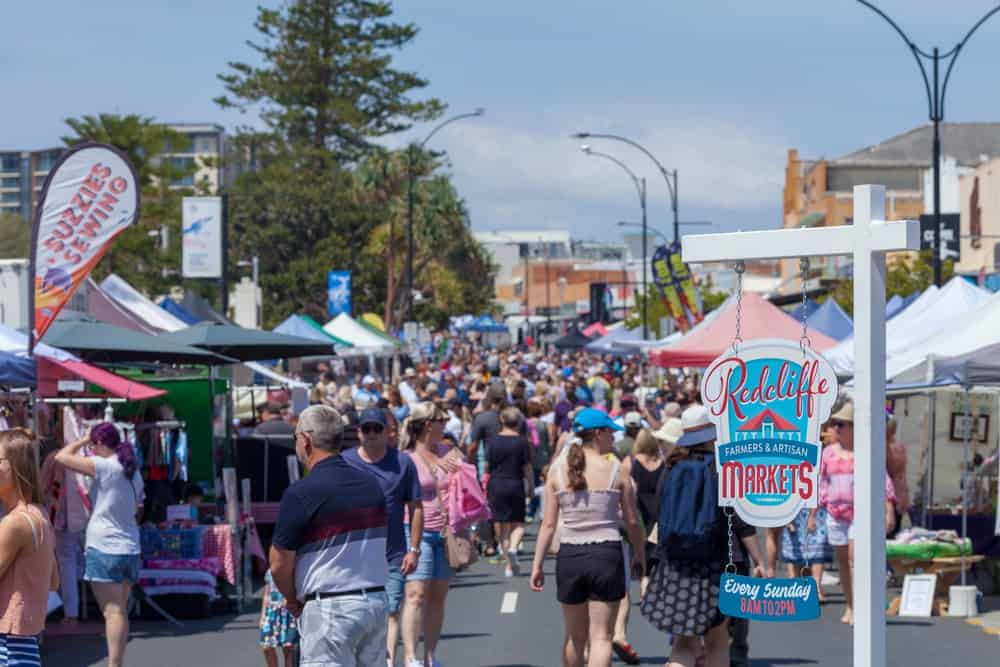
{"x":590,"y":572}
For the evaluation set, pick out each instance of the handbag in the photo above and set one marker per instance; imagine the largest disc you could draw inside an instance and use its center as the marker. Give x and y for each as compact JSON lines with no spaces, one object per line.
{"x":459,"y":548}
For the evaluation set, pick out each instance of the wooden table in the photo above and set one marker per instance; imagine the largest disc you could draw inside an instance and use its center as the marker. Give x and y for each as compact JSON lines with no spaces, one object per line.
{"x":947,"y":571}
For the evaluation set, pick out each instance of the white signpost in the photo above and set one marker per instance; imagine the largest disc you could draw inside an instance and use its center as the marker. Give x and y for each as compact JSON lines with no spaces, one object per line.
{"x":867,"y":240}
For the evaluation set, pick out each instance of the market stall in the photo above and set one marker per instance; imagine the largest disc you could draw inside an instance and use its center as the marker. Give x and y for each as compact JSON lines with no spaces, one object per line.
{"x":758,"y":319}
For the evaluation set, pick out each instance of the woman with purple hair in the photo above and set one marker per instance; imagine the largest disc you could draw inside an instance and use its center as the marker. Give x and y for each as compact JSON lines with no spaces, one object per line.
{"x":112,"y":544}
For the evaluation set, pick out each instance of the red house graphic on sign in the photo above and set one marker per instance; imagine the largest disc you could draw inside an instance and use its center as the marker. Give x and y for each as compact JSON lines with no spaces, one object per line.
{"x":765,"y":424}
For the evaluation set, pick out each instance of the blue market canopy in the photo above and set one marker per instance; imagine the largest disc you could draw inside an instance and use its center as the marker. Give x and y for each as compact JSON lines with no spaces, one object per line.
{"x":831,"y":319}
{"x":804,"y":310}
{"x":485,"y":323}
{"x":17,"y":372}
{"x":178,"y":311}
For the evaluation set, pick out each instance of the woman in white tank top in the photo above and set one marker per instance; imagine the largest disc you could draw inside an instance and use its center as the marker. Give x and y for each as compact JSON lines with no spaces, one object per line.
{"x":589,"y":494}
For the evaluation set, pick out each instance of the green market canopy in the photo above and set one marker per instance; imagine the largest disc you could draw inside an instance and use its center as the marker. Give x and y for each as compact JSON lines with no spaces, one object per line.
{"x":248,"y":344}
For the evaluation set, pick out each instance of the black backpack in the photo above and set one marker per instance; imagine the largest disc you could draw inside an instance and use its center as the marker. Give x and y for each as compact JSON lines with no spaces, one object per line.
{"x":689,"y":523}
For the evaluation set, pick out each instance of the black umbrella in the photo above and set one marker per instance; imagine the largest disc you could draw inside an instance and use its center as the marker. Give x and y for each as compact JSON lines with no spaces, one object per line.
{"x":248,"y":344}
{"x":105,"y":343}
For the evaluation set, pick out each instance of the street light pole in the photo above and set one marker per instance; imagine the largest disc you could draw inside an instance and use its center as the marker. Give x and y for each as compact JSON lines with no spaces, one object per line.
{"x":668,"y":176}
{"x":640,"y":186}
{"x":411,"y":177}
{"x":935,"y":106}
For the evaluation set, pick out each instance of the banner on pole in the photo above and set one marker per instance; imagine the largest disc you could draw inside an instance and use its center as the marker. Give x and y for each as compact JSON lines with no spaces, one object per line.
{"x":201,"y":251}
{"x":338,"y":292}
{"x":89,"y":198}
{"x":768,"y":402}
{"x":676,"y":285}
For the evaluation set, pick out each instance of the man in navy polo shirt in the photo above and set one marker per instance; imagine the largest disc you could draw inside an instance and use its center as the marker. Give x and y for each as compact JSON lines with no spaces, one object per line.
{"x":397,"y":475}
{"x":328,"y":551}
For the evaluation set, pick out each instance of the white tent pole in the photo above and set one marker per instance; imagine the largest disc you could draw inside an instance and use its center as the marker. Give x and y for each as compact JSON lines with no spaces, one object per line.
{"x":965,"y":480}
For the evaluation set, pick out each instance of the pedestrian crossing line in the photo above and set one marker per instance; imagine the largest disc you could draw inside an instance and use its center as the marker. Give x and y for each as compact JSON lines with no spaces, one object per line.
{"x":509,"y":604}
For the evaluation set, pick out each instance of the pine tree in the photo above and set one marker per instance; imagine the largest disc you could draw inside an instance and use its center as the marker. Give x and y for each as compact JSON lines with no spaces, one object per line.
{"x":320,"y":193}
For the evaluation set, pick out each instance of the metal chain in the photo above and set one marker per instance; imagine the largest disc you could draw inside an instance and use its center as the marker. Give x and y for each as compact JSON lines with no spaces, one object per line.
{"x":730,"y":565}
{"x":738,"y":339}
{"x":804,"y":341}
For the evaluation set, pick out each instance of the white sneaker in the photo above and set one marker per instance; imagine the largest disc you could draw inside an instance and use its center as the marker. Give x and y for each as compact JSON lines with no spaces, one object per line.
{"x":413,"y":662}
{"x":515,"y":562}
{"x":508,"y":573}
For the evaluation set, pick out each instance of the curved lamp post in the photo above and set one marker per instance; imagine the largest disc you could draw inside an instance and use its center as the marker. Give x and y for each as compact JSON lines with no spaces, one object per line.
{"x":409,"y":201}
{"x":667,"y":175}
{"x":640,"y":187}
{"x":935,"y":106}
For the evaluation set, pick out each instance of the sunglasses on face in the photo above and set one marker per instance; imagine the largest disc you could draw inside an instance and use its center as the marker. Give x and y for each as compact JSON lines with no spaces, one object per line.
{"x":368,"y":429}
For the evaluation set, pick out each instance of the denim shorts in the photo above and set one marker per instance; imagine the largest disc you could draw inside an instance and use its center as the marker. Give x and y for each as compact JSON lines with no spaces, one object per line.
{"x":394,"y":588}
{"x":105,"y":568}
{"x":433,"y":563}
{"x":348,"y":630}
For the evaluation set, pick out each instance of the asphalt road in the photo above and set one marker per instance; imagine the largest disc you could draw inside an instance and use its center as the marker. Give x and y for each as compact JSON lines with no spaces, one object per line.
{"x":479,"y":634}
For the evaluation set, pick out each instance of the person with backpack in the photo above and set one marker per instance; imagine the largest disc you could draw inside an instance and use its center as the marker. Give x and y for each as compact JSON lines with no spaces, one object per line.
{"x":589,"y":492}
{"x":682,"y":597}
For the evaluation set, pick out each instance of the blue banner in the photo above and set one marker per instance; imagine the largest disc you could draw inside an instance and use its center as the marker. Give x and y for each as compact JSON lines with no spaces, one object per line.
{"x":338,"y":292}
{"x":769,"y":599}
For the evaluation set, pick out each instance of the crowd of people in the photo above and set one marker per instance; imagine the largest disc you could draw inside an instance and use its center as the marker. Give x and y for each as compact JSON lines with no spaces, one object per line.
{"x":362,"y":556}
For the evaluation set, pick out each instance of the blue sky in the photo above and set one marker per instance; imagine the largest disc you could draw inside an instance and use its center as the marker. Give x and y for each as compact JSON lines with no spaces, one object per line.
{"x":720,"y":90}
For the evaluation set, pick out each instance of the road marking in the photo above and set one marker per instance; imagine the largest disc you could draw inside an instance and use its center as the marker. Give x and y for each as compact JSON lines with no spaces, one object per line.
{"x":509,"y":604}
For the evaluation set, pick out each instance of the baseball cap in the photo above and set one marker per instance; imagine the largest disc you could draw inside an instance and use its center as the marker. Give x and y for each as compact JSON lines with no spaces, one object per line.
{"x":372,"y":416}
{"x":589,"y":419}
{"x":368,"y":379}
{"x":410,"y":373}
{"x":633,"y":419}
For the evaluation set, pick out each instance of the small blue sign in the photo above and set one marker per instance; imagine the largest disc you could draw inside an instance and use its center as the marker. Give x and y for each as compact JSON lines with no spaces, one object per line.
{"x":779,"y":600}
{"x":338,"y":292}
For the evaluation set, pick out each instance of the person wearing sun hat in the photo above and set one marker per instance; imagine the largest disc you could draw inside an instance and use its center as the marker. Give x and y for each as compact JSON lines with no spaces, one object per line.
{"x":836,"y":495}
{"x":589,"y":494}
{"x":682,"y":596}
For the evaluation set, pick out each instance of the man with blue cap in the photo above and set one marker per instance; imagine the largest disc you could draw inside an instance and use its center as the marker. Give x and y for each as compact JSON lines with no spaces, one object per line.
{"x":397,"y":476}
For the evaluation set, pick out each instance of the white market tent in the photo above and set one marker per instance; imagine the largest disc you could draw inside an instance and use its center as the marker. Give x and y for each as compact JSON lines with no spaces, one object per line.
{"x":935,"y":310}
{"x":365,"y":341}
{"x":977,"y":329}
{"x":135,"y":302}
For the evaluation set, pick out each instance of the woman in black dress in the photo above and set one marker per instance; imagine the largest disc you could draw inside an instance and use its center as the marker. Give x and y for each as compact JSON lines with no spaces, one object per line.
{"x":508,"y":460}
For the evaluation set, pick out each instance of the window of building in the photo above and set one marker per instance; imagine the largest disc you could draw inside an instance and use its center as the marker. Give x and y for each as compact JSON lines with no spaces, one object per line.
{"x":10,"y":196}
{"x":204,"y":143}
{"x":183,"y":164}
{"x":46,"y":160}
{"x":10,"y":162}
{"x":10,"y":182}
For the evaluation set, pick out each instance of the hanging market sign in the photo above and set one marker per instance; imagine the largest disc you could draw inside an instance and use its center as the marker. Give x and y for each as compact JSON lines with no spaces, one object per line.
{"x":89,"y":198}
{"x":769,"y":599}
{"x":768,"y":401}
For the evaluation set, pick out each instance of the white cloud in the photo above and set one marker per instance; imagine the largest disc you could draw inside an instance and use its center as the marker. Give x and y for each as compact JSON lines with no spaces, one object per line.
{"x":533,"y":169}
